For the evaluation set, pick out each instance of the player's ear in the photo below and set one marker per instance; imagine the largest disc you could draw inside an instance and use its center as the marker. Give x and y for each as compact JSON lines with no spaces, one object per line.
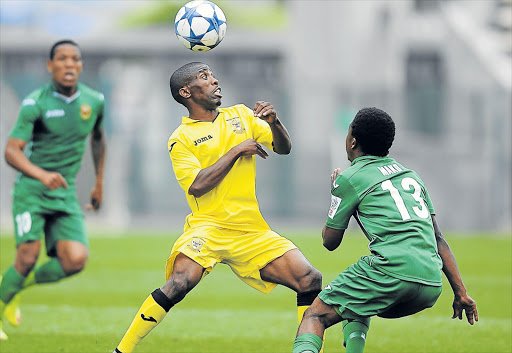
{"x":49,"y":66}
{"x":353,"y":143}
{"x":185,"y":92}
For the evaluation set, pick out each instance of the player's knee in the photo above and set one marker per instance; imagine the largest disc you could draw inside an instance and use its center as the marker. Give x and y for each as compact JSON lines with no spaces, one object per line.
{"x":177,"y":287}
{"x":74,"y":263}
{"x":312,"y":281}
{"x":26,"y":259}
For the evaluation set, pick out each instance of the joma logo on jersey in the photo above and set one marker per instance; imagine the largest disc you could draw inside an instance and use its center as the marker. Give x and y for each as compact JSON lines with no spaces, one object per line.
{"x":202,"y":139}
{"x":55,"y":113}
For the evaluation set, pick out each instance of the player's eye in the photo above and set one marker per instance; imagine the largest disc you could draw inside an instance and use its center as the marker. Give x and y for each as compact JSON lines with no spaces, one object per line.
{"x":204,"y":76}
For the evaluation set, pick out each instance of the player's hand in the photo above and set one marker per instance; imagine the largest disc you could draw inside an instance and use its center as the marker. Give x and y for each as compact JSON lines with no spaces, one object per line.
{"x":53,"y":180}
{"x":250,"y":147}
{"x":265,"y":111}
{"x":96,"y":198}
{"x":465,"y":303}
{"x":334,"y":174}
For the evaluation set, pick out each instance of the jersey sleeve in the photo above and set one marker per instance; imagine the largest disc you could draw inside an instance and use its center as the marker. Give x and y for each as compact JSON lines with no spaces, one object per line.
{"x":185,"y":164}
{"x":344,"y":201}
{"x":260,"y":129}
{"x":29,"y":113}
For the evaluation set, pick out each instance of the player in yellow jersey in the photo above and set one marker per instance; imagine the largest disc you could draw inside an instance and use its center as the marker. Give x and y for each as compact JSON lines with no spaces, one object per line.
{"x":213,"y":154}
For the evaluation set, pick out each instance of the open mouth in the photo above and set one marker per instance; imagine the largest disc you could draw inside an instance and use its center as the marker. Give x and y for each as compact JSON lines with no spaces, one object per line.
{"x":217,"y":92}
{"x":69,"y":76}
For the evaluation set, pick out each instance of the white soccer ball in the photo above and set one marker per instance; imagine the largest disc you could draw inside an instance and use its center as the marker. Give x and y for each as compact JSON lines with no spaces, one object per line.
{"x":200,"y":25}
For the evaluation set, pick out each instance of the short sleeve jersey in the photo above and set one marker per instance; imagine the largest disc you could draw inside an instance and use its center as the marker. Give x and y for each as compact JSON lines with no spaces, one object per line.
{"x":56,"y":128}
{"x":196,"y":145}
{"x":393,"y":209}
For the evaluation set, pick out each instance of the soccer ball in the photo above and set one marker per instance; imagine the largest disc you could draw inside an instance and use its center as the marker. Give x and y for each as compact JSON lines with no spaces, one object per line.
{"x":200,"y":25}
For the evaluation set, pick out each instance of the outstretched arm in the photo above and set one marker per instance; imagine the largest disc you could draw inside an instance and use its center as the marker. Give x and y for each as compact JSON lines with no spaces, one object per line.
{"x":280,"y":136}
{"x":15,"y":157}
{"x":98,"y":147}
{"x":210,"y":177}
{"x":462,"y":301}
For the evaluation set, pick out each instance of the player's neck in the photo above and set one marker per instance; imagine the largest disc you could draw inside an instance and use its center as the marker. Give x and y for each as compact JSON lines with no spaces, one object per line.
{"x":203,"y":114}
{"x":67,"y":91}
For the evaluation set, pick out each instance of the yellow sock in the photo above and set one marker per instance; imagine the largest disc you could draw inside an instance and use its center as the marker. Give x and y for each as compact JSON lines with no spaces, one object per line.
{"x":300,"y":314}
{"x":149,"y":315}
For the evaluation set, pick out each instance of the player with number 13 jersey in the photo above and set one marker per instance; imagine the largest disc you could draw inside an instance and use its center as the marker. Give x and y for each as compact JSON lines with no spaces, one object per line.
{"x":381,"y":194}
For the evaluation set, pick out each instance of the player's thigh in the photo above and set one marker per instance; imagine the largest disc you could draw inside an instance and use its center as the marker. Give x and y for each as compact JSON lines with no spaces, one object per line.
{"x":292,"y":270}
{"x":66,"y":227}
{"x":201,"y":245}
{"x":251,"y":252}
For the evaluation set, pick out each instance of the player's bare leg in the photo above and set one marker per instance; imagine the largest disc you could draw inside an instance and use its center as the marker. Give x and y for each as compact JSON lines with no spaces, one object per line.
{"x":13,"y":282}
{"x":186,"y":274}
{"x":319,"y":317}
{"x":294,"y":271}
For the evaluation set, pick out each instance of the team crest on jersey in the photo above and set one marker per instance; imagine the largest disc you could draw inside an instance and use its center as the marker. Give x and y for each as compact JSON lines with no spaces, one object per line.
{"x":85,"y":111}
{"x":196,"y":244}
{"x":237,"y":125}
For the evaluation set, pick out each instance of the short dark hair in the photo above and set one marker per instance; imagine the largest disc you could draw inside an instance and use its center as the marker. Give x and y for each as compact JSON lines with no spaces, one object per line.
{"x":59,"y":43}
{"x":182,"y":77}
{"x":374,"y":130}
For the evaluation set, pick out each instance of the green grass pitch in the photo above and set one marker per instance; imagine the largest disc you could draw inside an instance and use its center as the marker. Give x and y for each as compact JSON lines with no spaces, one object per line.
{"x":91,"y":311}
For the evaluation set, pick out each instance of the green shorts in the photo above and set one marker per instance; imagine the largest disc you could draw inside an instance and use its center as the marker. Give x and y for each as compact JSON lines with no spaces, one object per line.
{"x":56,"y":214}
{"x":363,"y":291}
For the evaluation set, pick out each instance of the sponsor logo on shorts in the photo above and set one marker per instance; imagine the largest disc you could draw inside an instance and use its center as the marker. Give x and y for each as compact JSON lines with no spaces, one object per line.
{"x":196,"y":244}
{"x":328,"y":287}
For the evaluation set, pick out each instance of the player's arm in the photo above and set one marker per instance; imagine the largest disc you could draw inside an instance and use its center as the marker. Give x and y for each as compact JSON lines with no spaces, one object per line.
{"x":98,"y":148}
{"x":332,"y":237}
{"x":462,"y":301}
{"x":15,"y":157}
{"x":280,"y":136}
{"x":210,"y":177}
{"x":339,"y":212}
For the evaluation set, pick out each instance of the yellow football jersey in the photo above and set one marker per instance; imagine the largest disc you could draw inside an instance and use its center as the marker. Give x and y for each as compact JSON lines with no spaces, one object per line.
{"x":196,"y":145}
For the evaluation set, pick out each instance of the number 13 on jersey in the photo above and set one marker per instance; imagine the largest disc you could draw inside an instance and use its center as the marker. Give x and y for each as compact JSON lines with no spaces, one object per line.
{"x":421,"y":210}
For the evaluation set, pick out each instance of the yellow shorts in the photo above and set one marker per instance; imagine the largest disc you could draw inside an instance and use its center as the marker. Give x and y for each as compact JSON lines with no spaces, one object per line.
{"x":245,"y":252}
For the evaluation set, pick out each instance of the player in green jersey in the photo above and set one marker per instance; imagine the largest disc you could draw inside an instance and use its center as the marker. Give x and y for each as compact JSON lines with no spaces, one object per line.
{"x":402,"y":275}
{"x":53,"y":126}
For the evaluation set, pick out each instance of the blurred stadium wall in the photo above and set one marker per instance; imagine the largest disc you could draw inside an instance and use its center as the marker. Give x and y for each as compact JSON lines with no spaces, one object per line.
{"x":442,"y":69}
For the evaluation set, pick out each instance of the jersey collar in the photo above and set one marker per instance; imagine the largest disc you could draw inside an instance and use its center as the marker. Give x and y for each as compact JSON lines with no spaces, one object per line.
{"x":367,"y":158}
{"x":63,"y":97}
{"x":187,"y":120}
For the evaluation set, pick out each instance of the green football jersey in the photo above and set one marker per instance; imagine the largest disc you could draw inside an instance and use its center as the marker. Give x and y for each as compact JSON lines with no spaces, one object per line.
{"x":56,"y":128}
{"x":393,"y":208}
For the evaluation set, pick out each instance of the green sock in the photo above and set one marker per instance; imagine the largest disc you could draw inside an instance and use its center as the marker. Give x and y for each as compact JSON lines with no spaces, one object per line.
{"x":307,"y":342}
{"x":12,"y":283}
{"x":354,"y":335}
{"x":50,"y":271}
